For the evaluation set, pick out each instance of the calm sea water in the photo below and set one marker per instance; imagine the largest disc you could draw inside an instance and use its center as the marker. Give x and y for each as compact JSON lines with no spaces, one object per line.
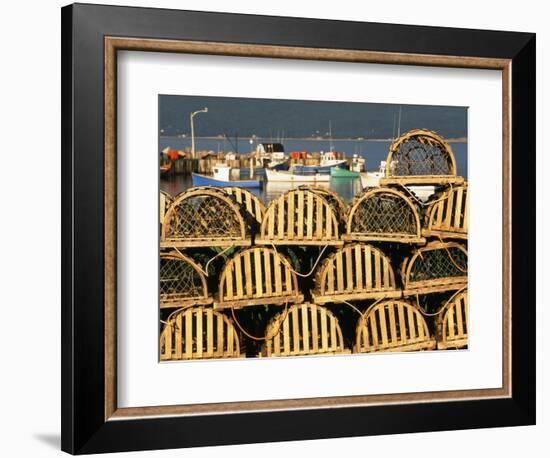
{"x":372,"y":151}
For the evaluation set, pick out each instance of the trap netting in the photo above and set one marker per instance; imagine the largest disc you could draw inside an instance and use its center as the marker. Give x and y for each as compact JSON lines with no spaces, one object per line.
{"x":420,"y":152}
{"x":181,"y":280}
{"x":445,"y":262}
{"x":205,"y":217}
{"x":383,"y":213}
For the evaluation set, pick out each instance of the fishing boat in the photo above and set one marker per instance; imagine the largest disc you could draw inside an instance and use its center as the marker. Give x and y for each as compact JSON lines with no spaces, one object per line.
{"x":292,"y":177}
{"x":165,"y":168}
{"x":222,"y":177}
{"x":372,"y":180}
{"x":339,"y":172}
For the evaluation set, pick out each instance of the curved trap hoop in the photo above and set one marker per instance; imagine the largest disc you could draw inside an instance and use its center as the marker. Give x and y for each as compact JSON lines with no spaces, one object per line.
{"x":452,"y":323}
{"x":392,"y":326}
{"x":300,"y":217}
{"x":447,"y":216}
{"x":182,"y":281}
{"x":354,"y":272}
{"x":199,"y":333}
{"x":306,"y":329}
{"x":257,"y":276}
{"x":383,"y":214}
{"x":436,"y":267}
{"x":420,"y":156}
{"x":204,"y":217}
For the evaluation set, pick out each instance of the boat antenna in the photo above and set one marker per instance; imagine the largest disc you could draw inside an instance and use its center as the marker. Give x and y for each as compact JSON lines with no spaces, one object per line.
{"x":399,"y":123}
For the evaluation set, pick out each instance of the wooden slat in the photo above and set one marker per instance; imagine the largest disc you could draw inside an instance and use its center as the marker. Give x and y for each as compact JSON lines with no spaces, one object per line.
{"x":314,"y":328}
{"x":276,"y":341}
{"x":229,"y":281}
{"x":333,"y":334}
{"x":377,"y":277}
{"x":220,"y":342}
{"x":349,"y":270}
{"x":358,"y":266}
{"x":330,"y":276}
{"x":458,"y":208}
{"x":449,"y":212}
{"x":324,"y":328}
{"x":386,"y":268}
{"x":267,"y":272}
{"x":290,"y":216}
{"x":258,"y":272}
{"x":209,"y":331}
{"x":289,"y":285}
{"x":459,"y":321}
{"x":368,"y":267}
{"x":295,"y":330}
{"x":248,"y":273}
{"x":451,"y":322}
{"x":383,"y":327}
{"x":277,"y":273}
{"x":309,"y":220}
{"x":319,"y":218}
{"x":328,"y":222}
{"x":198,"y":319}
{"x":393,"y":327}
{"x":179,"y":335}
{"x":188,"y":334}
{"x":238,"y":275}
{"x":230,"y":339}
{"x":339,"y":271}
{"x":300,"y":227}
{"x":281,"y":222}
{"x":402,"y":325}
{"x":286,"y":335}
{"x":305,"y":328}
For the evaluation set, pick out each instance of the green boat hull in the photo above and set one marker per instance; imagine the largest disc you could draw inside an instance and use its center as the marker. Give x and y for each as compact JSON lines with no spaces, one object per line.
{"x":337,"y":172}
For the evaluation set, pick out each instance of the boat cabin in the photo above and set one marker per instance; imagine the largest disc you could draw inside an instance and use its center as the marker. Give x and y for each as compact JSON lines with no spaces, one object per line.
{"x":275,"y":150}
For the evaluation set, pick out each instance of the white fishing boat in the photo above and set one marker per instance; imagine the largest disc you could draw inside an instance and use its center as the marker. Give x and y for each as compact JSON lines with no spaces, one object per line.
{"x":372,"y":180}
{"x":292,"y":177}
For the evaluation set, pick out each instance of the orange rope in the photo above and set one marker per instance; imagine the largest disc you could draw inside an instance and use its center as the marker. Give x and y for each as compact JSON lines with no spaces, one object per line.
{"x":250,"y":336}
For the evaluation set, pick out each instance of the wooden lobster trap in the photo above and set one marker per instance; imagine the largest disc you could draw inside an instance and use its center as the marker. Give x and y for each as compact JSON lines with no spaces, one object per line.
{"x":383,"y":214}
{"x":436,"y":267}
{"x":182,"y":281}
{"x":452,"y":322}
{"x":199,"y":333}
{"x":300,"y":217}
{"x":447,"y":215}
{"x":257,"y":276}
{"x":392,"y":325}
{"x":420,"y":157}
{"x":253,"y":206}
{"x":354,"y":272}
{"x":204,"y":217}
{"x":303,"y":329}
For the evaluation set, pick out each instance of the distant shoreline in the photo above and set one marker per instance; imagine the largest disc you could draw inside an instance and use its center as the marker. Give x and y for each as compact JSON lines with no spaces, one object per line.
{"x":449,"y":140}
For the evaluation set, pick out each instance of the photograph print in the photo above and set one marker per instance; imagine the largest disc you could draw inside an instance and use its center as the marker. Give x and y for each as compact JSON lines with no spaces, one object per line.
{"x":303,"y":228}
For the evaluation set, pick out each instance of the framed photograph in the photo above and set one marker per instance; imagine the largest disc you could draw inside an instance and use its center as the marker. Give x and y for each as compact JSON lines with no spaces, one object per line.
{"x":280,"y":228}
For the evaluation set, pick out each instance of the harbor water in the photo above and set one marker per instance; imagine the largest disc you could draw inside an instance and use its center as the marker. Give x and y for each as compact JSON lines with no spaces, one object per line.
{"x":373,"y":151}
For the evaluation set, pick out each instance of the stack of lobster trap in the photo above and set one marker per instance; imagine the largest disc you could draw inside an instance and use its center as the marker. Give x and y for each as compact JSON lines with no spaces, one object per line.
{"x":310,"y":275}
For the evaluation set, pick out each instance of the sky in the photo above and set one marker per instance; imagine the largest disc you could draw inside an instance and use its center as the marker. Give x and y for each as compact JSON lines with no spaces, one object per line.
{"x":298,"y":118}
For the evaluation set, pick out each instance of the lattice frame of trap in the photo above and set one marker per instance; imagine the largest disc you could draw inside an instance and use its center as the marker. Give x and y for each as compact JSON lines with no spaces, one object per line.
{"x":383,"y":214}
{"x":452,"y":322}
{"x":182,"y":281}
{"x":300,"y":217}
{"x":199,"y":333}
{"x":392,"y":326}
{"x":304,"y":329}
{"x":204,"y":217}
{"x":420,"y":156}
{"x":251,"y":203}
{"x":436,"y":267}
{"x":257,"y":276}
{"x":447,"y":215}
{"x":354,"y":272}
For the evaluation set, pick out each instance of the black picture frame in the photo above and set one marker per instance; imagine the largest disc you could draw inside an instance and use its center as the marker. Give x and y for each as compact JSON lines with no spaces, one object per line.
{"x":84,"y":426}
